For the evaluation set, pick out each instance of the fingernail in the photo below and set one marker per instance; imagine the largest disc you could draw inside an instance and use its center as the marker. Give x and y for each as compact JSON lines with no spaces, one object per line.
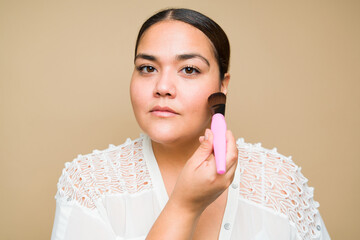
{"x":206,"y":137}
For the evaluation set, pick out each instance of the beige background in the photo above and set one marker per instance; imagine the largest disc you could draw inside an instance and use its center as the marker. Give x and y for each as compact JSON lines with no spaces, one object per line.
{"x":64,"y":77}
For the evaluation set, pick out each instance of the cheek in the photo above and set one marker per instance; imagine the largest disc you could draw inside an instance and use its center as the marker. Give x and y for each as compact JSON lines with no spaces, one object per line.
{"x":199,"y":96}
{"x":198,"y":104}
{"x":136,"y":96}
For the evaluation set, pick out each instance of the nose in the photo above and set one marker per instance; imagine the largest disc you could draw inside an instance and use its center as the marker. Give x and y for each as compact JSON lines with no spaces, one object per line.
{"x":165,"y":86}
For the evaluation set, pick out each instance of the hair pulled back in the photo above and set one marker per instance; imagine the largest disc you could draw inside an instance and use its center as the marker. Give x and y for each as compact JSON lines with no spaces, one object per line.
{"x":209,"y":27}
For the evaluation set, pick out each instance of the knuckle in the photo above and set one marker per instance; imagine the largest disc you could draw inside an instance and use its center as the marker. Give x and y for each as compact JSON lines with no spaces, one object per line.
{"x":228,"y":182}
{"x":236,"y":154}
{"x":232,"y":178}
{"x":211,"y":179}
{"x":233,"y":155}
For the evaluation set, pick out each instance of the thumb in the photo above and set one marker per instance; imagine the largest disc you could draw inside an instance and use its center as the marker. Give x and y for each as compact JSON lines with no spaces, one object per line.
{"x":205,"y":148}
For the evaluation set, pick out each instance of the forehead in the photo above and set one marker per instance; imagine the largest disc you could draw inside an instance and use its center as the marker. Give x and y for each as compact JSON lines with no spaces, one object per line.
{"x":171,"y":37}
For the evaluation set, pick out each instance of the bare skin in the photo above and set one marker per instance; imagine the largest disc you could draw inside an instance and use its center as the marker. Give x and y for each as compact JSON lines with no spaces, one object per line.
{"x":200,"y":205}
{"x":209,"y":222}
{"x":169,"y":92}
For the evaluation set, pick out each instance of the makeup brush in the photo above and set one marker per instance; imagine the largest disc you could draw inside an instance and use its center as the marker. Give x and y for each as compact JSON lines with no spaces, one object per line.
{"x":216,"y":102}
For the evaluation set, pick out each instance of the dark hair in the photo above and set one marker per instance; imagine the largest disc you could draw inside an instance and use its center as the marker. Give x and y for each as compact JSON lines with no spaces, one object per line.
{"x":210,"y":28}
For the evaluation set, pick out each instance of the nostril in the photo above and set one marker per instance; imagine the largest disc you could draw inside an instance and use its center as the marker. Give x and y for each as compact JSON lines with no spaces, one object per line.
{"x":163,"y":94}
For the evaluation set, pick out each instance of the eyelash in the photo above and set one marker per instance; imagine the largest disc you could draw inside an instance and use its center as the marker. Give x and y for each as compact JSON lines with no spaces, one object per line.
{"x":142,"y":69}
{"x":192,"y":68}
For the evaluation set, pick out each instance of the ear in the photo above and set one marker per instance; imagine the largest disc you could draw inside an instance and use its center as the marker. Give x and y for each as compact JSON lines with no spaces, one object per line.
{"x":224,"y":83}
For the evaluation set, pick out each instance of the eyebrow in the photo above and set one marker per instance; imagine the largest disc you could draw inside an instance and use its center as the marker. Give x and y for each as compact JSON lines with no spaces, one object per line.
{"x":192,"y":55}
{"x":180,"y":57}
{"x":146,"y":57}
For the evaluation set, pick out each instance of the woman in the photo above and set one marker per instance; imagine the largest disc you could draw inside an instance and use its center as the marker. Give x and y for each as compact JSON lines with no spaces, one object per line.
{"x":164,"y":185}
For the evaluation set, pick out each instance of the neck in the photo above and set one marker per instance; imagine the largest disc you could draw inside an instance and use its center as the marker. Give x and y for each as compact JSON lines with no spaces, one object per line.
{"x":174,"y":155}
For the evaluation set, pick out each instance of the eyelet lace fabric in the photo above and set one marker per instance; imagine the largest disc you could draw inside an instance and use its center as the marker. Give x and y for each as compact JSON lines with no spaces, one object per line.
{"x":276,"y":182}
{"x":115,"y":170}
{"x":267,"y":178}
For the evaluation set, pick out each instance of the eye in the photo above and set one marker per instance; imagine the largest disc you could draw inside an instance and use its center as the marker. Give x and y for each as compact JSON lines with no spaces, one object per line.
{"x":190,"y":70}
{"x":146,"y":69}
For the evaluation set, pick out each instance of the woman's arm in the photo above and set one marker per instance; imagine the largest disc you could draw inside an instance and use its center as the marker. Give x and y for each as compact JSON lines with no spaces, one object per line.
{"x":197,"y":186}
{"x":174,"y":222}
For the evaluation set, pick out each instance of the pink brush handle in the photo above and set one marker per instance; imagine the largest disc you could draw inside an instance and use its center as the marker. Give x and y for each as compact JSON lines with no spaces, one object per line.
{"x":218,"y":127}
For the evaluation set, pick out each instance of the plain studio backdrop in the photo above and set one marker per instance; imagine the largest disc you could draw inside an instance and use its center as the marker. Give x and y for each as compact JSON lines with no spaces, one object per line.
{"x":65,"y":69}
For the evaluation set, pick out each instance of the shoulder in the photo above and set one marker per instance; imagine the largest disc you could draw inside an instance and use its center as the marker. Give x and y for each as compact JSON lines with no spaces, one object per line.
{"x":256,"y":157}
{"x":274,"y":181}
{"x":108,"y":171}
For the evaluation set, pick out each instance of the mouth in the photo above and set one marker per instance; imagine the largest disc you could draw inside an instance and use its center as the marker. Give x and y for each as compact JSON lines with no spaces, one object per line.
{"x":163,"y":111}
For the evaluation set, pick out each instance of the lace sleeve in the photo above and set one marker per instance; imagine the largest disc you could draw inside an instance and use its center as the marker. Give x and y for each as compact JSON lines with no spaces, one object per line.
{"x":72,"y":185}
{"x":276,"y":182}
{"x":115,"y":170}
{"x":296,"y":199}
{"x":77,"y":216}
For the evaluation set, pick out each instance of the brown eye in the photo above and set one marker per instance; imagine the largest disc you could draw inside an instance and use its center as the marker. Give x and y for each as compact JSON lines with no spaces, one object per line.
{"x":146,"y":69}
{"x":149,"y":69}
{"x":190,"y":70}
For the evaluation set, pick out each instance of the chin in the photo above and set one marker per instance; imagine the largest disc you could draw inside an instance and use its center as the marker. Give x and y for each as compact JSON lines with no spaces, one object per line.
{"x":174,"y":136}
{"x":173,"y":132}
{"x":163,"y":135}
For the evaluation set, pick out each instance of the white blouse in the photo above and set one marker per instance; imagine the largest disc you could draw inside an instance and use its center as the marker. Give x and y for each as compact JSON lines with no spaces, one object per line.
{"x":118,"y":193}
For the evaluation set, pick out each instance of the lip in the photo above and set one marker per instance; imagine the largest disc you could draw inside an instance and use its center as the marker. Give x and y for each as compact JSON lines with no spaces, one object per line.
{"x":163,"y":111}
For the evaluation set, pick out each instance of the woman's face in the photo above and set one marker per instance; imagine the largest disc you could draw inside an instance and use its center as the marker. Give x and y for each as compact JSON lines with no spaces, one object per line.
{"x":175,"y":72}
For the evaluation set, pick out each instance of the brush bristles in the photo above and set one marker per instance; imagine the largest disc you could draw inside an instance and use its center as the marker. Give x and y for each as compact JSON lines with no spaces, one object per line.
{"x":216,"y":102}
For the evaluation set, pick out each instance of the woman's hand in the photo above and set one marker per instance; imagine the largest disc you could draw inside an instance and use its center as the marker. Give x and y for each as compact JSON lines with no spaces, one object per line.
{"x":199,"y":184}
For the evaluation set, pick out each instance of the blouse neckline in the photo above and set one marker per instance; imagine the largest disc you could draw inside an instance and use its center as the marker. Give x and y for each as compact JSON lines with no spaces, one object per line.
{"x":155,"y":174}
{"x":161,"y":193}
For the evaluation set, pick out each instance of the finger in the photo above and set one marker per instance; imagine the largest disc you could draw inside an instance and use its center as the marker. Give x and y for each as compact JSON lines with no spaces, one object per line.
{"x":231,"y":150}
{"x":230,"y":173}
{"x":205,"y":149}
{"x":210,"y":164}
